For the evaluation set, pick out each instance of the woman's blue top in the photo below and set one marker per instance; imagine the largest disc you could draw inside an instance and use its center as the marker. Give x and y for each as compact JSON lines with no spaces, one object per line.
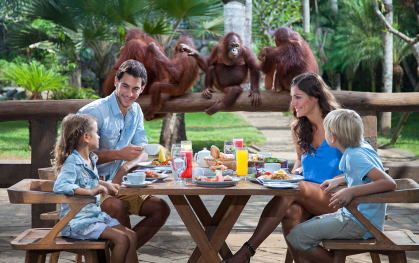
{"x":321,"y":164}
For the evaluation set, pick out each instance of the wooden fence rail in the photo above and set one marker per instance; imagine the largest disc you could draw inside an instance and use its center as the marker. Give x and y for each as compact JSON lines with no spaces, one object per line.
{"x":43,"y":117}
{"x":271,"y":101}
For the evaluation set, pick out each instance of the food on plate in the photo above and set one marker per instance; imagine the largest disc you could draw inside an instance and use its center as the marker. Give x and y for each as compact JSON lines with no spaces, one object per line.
{"x":277,"y":175}
{"x":273,"y":160}
{"x":280,"y":175}
{"x":156,"y":162}
{"x":151,"y":174}
{"x":214,"y":179}
{"x":215,"y":152}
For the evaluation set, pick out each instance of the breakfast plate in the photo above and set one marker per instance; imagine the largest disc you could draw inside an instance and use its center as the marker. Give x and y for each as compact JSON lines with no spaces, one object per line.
{"x":233,"y":182}
{"x":127,"y":184}
{"x":294,"y":178}
{"x":280,"y":185}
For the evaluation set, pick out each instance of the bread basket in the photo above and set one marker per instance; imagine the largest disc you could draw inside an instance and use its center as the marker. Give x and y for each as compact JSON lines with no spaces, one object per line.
{"x":230,"y":164}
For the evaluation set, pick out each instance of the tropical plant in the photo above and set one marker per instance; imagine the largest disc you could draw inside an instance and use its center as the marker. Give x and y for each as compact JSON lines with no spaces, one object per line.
{"x":33,"y":77}
{"x":67,"y":92}
{"x":268,"y":15}
{"x":358,"y":43}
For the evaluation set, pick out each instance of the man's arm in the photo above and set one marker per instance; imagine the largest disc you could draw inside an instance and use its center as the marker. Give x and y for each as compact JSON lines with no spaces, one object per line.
{"x":127,"y":153}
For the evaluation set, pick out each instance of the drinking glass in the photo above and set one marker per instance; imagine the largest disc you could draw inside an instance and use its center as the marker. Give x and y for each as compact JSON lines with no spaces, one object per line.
{"x":242,"y":158}
{"x":178,"y":166}
{"x":186,"y":145}
{"x":175,"y":150}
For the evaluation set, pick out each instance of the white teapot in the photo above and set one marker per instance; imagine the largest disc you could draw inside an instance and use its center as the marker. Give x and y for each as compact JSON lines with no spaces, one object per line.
{"x":200,"y":157}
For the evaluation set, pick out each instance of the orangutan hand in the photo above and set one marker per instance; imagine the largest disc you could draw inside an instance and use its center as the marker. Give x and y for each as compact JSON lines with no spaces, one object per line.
{"x":255,"y":98}
{"x":207,"y":93}
{"x":188,"y":49}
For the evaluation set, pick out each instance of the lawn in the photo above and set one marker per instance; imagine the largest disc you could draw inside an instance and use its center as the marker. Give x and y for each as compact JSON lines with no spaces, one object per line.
{"x":409,"y":139}
{"x":201,"y":129}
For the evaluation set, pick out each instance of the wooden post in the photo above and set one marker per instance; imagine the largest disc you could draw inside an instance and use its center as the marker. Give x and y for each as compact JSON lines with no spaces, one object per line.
{"x":370,"y":127}
{"x":43,"y":133}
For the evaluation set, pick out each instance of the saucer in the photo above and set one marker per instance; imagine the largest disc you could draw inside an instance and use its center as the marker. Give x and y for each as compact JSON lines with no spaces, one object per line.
{"x":127,"y":184}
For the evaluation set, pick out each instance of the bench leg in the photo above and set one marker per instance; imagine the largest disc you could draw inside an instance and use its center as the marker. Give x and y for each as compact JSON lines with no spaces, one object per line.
{"x":375,"y":257}
{"x":339,"y":256}
{"x":397,"y":257}
{"x":53,"y":258}
{"x":35,"y":257}
{"x":288,"y":257}
{"x":91,"y":256}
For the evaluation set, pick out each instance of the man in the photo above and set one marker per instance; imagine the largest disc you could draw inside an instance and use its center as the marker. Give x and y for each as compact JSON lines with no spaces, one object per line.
{"x":122,"y":136}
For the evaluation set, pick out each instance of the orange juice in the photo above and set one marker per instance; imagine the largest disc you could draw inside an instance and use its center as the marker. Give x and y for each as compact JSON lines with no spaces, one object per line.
{"x":242,"y":157}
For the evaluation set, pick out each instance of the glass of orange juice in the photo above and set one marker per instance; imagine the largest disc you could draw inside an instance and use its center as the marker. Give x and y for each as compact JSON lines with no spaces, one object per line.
{"x":242,"y":158}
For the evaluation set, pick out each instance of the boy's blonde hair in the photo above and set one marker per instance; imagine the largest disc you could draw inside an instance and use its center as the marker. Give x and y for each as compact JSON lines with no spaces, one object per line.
{"x":346,"y":125}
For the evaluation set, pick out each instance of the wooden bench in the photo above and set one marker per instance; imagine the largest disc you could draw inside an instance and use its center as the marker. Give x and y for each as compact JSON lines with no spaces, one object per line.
{"x":38,"y":242}
{"x":394,"y":244}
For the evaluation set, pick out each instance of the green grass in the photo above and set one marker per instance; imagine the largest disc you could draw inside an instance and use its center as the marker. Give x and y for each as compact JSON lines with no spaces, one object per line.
{"x":409,"y":139}
{"x":14,"y":140}
{"x":201,"y":129}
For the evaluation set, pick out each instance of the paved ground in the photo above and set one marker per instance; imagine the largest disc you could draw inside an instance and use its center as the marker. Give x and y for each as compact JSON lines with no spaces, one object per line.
{"x":173,"y":243}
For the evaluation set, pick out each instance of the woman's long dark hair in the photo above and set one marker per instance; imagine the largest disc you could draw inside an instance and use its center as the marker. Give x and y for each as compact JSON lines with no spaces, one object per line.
{"x":314,"y":86}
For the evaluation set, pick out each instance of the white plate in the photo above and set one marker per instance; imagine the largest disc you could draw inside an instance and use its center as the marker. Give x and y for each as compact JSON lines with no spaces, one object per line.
{"x":279,"y":185}
{"x":161,"y":177}
{"x":127,"y":184}
{"x":218,"y":184}
{"x":155,"y":167}
{"x":294,"y":178}
{"x":146,"y":164}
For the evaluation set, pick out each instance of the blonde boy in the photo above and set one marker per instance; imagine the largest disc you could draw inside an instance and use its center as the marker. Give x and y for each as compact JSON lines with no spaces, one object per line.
{"x":363,"y":173}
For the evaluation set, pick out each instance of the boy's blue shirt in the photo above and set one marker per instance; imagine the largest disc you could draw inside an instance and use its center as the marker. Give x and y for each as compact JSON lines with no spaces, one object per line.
{"x":356,"y":163}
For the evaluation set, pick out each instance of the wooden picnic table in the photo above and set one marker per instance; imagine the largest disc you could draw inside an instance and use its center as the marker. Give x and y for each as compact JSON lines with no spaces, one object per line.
{"x":208,"y":232}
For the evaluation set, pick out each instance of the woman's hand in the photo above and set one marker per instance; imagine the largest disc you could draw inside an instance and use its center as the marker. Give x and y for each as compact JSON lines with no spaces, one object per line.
{"x":341,"y":198}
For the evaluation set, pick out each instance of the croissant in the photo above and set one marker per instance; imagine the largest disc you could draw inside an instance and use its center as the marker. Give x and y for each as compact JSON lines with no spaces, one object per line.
{"x":215,"y":152}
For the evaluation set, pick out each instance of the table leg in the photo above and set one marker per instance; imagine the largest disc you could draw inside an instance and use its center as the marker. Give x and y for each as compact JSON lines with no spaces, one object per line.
{"x":194,"y":227}
{"x":227,"y":222}
{"x":209,"y":223}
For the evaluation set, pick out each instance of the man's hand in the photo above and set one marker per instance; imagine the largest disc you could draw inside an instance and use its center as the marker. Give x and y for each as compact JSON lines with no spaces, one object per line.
{"x":130,"y":152}
{"x":341,"y":198}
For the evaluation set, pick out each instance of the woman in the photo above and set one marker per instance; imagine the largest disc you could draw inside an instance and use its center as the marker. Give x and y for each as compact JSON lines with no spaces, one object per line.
{"x":311,"y":101}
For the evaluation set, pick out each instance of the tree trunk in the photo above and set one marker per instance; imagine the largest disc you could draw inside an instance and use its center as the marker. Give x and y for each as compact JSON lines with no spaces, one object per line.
{"x":385,"y":126}
{"x":248,"y":24}
{"x":334,"y":6}
{"x":75,"y":76}
{"x":234,"y":18}
{"x":173,"y":129}
{"x":306,"y":16}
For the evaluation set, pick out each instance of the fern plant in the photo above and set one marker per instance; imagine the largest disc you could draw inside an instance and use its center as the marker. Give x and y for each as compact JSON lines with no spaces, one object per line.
{"x":33,"y":77}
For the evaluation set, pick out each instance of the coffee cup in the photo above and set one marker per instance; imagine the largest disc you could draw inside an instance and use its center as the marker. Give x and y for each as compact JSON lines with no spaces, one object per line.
{"x":134,"y":178}
{"x":152,"y":149}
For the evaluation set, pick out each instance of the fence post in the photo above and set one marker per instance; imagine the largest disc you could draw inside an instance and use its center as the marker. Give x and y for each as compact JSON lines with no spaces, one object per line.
{"x":43,"y":133}
{"x":370,"y":127}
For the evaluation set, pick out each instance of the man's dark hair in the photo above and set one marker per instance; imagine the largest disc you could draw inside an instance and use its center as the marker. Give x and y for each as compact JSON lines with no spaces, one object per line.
{"x":134,"y":68}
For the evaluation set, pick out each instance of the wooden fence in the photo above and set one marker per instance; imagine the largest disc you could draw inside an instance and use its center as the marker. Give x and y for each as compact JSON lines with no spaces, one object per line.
{"x":43,"y":117}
